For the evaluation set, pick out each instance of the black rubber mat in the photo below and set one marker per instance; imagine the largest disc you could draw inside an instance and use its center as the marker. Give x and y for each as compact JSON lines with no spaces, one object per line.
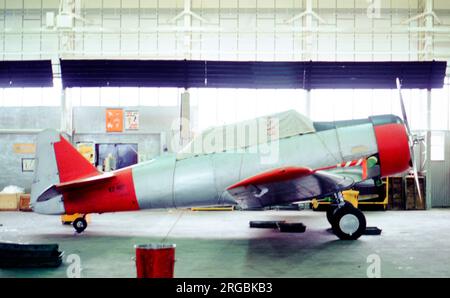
{"x":14,"y":255}
{"x":266,"y":224}
{"x":292,"y":227}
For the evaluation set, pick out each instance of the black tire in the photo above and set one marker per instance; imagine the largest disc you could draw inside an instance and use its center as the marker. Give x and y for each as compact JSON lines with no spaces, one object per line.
{"x":330,"y":213}
{"x":80,"y":224}
{"x":349,"y":223}
{"x":331,"y":209}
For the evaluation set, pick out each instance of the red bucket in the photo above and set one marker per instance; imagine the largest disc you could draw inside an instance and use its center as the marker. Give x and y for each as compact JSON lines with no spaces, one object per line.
{"x":155,"y":260}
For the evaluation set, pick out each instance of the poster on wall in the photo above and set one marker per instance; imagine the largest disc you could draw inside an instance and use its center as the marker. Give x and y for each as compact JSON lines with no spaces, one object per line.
{"x":24,"y":148}
{"x":114,"y":120}
{"x":28,"y":164}
{"x":131,"y":120}
{"x":87,"y":150}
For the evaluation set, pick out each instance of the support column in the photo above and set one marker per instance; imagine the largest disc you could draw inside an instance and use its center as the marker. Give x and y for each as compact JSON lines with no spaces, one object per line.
{"x":185,"y":118}
{"x":428,"y":42}
{"x":309,"y":35}
{"x":66,"y":114}
{"x":426,"y":20}
{"x":428,"y":153}
{"x":66,"y":105}
{"x":68,"y":9}
{"x":428,"y":110}
{"x":308,"y":103}
{"x":187,"y":28}
{"x":63,"y":110}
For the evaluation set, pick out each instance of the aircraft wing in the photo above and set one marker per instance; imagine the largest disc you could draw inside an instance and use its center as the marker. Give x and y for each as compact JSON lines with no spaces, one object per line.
{"x":287,"y":185}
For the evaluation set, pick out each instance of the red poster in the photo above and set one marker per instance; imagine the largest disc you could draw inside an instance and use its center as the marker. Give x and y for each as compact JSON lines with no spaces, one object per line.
{"x":114,"y":120}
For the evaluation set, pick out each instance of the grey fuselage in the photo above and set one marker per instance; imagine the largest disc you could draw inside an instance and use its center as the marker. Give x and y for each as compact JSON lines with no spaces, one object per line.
{"x":202,"y":180}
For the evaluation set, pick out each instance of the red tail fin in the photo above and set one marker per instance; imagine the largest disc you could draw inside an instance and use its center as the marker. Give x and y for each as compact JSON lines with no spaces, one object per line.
{"x":71,"y":164}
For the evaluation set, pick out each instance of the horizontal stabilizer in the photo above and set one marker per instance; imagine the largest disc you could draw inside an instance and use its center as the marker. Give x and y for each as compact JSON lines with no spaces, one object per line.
{"x":61,"y":188}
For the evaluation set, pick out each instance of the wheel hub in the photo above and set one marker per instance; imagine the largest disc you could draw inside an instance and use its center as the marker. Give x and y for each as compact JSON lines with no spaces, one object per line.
{"x":349,"y":224}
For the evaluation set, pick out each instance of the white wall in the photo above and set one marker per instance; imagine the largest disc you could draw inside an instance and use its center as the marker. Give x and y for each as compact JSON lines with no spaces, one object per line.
{"x":234,"y":30}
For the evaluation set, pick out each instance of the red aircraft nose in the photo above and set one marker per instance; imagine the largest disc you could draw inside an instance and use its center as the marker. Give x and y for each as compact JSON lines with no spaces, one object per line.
{"x":393,"y":148}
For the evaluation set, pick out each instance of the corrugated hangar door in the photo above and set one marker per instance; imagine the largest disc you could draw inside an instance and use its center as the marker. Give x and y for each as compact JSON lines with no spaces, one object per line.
{"x":438,"y":176}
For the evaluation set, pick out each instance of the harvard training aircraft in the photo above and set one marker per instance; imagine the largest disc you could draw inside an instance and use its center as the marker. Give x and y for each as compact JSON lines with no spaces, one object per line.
{"x":312,"y":160}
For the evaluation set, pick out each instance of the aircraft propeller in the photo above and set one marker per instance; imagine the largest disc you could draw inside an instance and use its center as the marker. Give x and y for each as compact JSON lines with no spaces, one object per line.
{"x":411,"y":140}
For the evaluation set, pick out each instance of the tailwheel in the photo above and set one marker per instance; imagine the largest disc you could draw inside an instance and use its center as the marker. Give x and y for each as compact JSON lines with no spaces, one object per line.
{"x":80,"y":224}
{"x":349,"y":223}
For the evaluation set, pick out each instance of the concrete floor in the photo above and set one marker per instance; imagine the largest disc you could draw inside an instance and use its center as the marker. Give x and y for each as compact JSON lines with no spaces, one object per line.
{"x":220,"y":244}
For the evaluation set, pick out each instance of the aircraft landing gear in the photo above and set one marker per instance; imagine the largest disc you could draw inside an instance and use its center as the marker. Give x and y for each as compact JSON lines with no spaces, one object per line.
{"x":332,"y":209}
{"x":347,"y":222}
{"x":80,"y":224}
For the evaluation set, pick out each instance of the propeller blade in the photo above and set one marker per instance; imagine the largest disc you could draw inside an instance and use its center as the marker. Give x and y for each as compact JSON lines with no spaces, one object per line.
{"x":410,"y":139}
{"x":402,"y":105}
{"x":416,"y":175}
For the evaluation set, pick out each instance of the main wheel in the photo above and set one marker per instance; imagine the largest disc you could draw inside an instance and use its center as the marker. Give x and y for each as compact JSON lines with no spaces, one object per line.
{"x":80,"y":224}
{"x":331,"y":209}
{"x":349,"y":223}
{"x":330,"y":213}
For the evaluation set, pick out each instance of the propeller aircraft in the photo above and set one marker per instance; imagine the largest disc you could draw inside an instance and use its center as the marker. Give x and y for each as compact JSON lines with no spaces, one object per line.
{"x":295,"y":160}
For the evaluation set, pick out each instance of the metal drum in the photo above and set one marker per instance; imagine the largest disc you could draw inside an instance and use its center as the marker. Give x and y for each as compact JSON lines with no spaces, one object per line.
{"x":155,"y":260}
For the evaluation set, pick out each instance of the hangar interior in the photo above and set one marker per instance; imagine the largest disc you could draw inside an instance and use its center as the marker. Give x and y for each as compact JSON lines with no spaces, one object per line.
{"x":221,"y":30}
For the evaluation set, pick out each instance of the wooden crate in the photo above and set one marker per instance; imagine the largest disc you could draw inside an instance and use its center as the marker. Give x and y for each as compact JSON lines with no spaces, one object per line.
{"x":396,"y":194}
{"x":24,"y":203}
{"x":413,"y":201}
{"x":9,"y":202}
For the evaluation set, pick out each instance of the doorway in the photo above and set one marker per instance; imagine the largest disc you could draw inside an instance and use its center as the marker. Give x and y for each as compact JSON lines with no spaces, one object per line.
{"x":123,"y":155}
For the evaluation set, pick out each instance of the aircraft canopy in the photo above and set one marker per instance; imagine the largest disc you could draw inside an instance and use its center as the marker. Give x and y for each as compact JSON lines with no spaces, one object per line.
{"x":241,"y":135}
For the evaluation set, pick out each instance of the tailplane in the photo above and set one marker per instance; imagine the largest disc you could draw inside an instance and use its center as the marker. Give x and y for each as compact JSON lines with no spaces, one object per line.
{"x":57,"y":161}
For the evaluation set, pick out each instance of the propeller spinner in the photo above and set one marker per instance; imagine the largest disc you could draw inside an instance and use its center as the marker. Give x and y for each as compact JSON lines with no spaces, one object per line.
{"x":411,"y":140}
